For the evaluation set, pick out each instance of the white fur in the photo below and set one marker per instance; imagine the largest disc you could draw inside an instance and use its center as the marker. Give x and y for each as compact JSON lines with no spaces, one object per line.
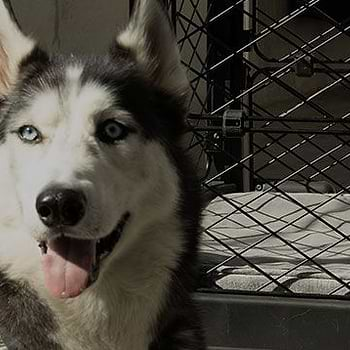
{"x":17,"y":250}
{"x":14,"y":46}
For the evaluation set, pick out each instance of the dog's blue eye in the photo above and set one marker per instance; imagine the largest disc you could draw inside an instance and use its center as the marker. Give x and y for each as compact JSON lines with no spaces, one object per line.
{"x":110,"y":131}
{"x":29,"y":133}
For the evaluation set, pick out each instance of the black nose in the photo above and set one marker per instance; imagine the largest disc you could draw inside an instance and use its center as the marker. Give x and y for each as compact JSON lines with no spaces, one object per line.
{"x":61,"y":207}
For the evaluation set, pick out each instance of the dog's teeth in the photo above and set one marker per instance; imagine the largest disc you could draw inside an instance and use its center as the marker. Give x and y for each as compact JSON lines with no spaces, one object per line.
{"x":43,"y":247}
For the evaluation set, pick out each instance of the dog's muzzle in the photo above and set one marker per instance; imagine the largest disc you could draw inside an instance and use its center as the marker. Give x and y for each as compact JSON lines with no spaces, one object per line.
{"x":71,"y":264}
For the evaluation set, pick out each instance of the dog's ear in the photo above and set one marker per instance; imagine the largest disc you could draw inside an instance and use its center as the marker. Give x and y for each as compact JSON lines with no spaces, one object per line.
{"x":14,"y":48}
{"x":150,"y":40}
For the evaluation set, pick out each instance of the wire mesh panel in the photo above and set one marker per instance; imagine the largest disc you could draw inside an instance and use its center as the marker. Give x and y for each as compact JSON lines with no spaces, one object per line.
{"x":270,"y":107}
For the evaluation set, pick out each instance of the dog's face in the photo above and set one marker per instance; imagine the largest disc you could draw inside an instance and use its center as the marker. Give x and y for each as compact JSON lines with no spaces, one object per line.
{"x":90,"y":136}
{"x":88,"y":140}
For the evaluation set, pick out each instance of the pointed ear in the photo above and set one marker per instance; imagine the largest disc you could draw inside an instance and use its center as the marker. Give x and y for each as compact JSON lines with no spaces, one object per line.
{"x":151,"y":42}
{"x":14,"y":47}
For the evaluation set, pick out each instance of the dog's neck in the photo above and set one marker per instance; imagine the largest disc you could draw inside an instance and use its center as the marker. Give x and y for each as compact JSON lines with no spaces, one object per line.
{"x":124,"y":302}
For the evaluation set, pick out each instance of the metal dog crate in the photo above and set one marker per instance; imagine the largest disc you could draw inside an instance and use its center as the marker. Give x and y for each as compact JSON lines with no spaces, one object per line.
{"x":270,"y":127}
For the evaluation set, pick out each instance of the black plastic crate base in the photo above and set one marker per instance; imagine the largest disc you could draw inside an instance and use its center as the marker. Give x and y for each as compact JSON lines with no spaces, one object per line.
{"x":258,"y":322}
{"x":225,"y":348}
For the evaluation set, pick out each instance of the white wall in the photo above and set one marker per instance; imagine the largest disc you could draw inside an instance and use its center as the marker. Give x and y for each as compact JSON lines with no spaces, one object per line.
{"x":86,"y":26}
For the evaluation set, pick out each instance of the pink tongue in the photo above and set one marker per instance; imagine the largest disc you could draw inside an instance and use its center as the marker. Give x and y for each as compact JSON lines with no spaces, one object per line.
{"x":67,"y":266}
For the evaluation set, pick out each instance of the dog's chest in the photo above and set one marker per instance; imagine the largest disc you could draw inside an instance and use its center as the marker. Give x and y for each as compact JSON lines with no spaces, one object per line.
{"x":105,"y":330}
{"x":87,"y":340}
{"x":112,"y":322}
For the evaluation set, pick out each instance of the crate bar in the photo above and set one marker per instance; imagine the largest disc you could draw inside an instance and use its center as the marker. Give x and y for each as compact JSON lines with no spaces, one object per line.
{"x":229,"y":30}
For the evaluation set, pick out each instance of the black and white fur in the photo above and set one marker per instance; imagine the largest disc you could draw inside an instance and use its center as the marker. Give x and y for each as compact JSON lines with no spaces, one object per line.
{"x":141,"y":299}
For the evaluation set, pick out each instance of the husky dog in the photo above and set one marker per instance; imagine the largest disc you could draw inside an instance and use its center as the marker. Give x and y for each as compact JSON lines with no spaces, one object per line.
{"x":99,"y":205}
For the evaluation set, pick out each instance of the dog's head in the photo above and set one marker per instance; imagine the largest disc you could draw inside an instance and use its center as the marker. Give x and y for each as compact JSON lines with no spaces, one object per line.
{"x":89,"y":140}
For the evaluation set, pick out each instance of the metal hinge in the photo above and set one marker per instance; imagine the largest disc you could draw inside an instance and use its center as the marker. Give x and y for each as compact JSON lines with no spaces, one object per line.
{"x":233,"y":123}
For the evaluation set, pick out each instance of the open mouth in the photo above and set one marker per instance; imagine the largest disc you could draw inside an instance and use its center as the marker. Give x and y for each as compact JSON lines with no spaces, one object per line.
{"x":72,"y":265}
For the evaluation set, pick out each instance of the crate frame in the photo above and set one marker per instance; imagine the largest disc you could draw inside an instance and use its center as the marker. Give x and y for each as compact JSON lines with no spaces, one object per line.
{"x":233,"y":150}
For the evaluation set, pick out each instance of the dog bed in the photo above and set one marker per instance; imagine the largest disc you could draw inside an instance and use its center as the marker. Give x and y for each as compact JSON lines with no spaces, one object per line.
{"x":301,"y":240}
